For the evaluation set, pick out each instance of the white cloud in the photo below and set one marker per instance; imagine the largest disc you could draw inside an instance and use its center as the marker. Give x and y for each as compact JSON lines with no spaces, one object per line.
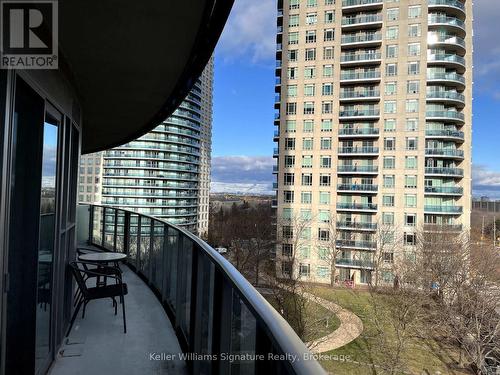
{"x":242,"y":169}
{"x":242,"y":174}
{"x":250,"y":33}
{"x":485,"y":182}
{"x":481,"y":175}
{"x":253,"y":174}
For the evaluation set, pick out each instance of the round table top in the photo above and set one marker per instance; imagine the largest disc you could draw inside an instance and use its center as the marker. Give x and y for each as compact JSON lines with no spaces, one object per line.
{"x":102,"y":257}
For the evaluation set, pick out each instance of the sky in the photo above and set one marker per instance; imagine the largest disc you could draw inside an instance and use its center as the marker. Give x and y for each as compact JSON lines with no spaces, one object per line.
{"x":242,"y":141}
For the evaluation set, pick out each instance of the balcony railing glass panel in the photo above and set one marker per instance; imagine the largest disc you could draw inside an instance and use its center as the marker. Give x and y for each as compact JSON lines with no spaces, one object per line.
{"x":203,"y":293}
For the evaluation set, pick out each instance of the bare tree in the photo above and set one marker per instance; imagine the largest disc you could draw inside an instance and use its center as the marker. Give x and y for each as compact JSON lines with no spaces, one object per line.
{"x":472,"y":316}
{"x":263,"y":240}
{"x":442,"y":257}
{"x":288,"y":293}
{"x":330,"y":248}
{"x":389,"y":239}
{"x":463,"y":290}
{"x":397,"y":315}
{"x":248,"y":233}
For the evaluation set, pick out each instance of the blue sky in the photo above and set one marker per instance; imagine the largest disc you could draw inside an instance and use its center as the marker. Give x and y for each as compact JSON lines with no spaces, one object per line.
{"x":244,"y":97}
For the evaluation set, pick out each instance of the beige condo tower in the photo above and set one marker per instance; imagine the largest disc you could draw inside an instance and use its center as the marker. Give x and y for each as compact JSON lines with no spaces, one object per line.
{"x":373,"y":128}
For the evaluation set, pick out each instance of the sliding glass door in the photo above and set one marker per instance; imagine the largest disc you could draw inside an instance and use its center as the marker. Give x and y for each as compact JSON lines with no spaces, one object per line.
{"x":46,"y":243}
{"x":33,"y":244}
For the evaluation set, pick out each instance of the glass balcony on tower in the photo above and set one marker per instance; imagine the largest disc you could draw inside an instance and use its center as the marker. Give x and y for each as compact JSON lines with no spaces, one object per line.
{"x":362,"y":20}
{"x":456,"y":7}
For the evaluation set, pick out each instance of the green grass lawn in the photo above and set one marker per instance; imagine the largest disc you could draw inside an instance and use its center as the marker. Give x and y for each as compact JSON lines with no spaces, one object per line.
{"x":422,"y":356}
{"x":321,"y":321}
{"x":326,"y":321}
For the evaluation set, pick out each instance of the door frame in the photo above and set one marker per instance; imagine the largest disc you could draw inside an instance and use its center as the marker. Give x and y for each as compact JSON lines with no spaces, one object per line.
{"x":57,"y":91}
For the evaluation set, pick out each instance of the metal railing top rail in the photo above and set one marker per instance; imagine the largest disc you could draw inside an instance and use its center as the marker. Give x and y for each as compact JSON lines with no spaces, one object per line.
{"x":278,"y":329}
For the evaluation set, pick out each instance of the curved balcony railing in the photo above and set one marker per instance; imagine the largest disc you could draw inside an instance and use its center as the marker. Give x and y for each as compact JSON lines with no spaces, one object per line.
{"x":132,"y":182}
{"x":168,"y":140}
{"x":352,"y":3}
{"x":452,"y":115}
{"x":359,"y":263}
{"x":131,"y":202}
{"x":444,"y":152}
{"x":434,"y":19}
{"x":360,"y":57}
{"x":358,"y":131}
{"x":357,"y":187}
{"x":347,"y":39}
{"x":451,"y":3}
{"x":446,"y":77}
{"x":186,"y":113}
{"x":176,"y":167}
{"x":184,"y":122}
{"x":446,"y":58}
{"x":349,"y":21}
{"x":359,"y":94}
{"x":152,"y":194}
{"x":454,"y":190}
{"x":173,"y":176}
{"x":356,"y":225}
{"x":445,"y":209}
{"x":429,"y":227}
{"x":137,"y":145}
{"x":357,"y":206}
{"x":355,"y":243}
{"x":190,"y":106}
{"x":359,"y":76}
{"x":214,"y":308}
{"x":359,"y":113}
{"x":358,"y":150}
{"x":175,"y":129}
{"x":447,"y":39}
{"x":357,"y":169}
{"x":446,"y":95}
{"x":445,"y":133}
{"x":133,"y":155}
{"x":448,"y":171}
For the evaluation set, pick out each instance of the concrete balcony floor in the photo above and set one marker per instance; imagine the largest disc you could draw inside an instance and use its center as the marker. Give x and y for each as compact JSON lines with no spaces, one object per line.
{"x":97,"y":344}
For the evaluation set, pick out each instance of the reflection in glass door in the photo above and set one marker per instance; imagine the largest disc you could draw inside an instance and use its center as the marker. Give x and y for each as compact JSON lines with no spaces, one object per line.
{"x":46,"y":241}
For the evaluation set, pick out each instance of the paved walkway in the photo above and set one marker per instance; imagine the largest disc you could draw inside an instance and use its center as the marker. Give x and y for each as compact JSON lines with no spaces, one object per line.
{"x":98,"y":346}
{"x":350,"y":327}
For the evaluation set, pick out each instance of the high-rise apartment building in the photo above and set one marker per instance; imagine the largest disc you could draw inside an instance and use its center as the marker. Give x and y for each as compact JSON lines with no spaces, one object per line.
{"x":166,"y":172}
{"x":207,"y":81}
{"x":90,"y":178}
{"x":373,"y":128}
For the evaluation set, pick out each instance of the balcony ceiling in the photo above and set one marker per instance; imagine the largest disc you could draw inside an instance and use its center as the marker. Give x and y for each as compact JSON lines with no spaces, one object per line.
{"x":133,"y":62}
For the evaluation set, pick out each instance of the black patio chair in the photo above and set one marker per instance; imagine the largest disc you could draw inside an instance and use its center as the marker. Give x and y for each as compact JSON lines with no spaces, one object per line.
{"x":97,"y":267}
{"x":119,"y":289}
